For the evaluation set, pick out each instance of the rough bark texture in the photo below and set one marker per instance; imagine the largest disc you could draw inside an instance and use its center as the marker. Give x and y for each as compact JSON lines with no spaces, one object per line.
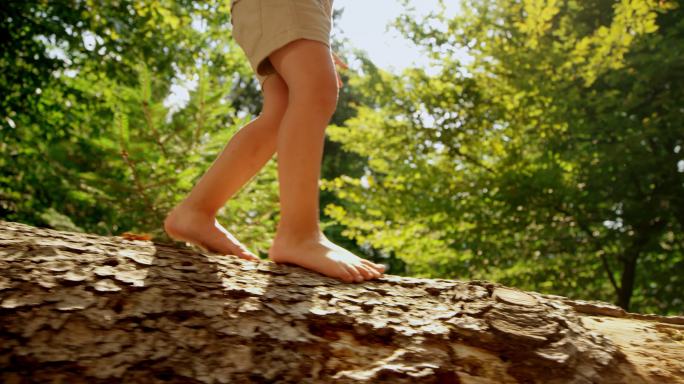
{"x":80,"y":308}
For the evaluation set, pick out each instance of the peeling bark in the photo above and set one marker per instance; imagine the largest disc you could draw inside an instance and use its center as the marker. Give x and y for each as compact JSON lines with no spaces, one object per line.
{"x":80,"y":308}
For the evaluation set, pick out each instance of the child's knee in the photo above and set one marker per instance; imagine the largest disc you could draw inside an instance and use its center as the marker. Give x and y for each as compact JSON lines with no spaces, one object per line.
{"x":319,"y":92}
{"x":318,"y":99}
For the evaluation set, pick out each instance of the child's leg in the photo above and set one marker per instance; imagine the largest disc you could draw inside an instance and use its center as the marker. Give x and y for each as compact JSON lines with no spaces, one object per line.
{"x":246,"y":153}
{"x":308,"y":70}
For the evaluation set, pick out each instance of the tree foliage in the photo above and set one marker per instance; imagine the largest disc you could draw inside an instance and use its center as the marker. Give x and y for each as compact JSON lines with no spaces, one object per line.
{"x":92,"y":138}
{"x":547,"y":157}
{"x":545,"y":152}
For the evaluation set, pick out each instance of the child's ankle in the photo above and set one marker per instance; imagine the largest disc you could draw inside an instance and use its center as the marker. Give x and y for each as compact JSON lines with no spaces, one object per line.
{"x":298,"y":236}
{"x":198,"y":209}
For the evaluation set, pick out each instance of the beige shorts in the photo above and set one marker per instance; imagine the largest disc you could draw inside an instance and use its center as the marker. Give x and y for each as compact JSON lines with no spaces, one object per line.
{"x":262,"y":26}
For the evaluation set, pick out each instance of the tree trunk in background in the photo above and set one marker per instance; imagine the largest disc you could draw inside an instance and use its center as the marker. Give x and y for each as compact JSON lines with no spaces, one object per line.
{"x":627,"y":280}
{"x":80,"y":308}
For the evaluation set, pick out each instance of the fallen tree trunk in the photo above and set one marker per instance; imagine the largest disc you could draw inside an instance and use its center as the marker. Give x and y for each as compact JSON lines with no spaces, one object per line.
{"x":80,"y":308}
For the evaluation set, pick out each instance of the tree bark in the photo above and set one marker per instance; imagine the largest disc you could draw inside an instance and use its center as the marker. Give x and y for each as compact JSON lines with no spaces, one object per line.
{"x":81,"y":308}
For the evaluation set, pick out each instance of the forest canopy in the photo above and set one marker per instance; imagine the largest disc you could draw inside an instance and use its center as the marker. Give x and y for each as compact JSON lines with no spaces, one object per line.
{"x":544,"y":153}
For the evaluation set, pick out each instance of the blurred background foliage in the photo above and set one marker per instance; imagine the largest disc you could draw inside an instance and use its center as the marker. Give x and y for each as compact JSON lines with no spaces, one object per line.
{"x":545,"y":153}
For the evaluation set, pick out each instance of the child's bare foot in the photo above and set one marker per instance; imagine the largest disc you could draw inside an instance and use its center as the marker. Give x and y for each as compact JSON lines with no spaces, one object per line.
{"x":186,"y":224}
{"x":325,"y":257}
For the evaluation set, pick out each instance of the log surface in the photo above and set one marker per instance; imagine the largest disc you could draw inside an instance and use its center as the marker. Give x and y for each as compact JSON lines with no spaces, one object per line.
{"x":81,"y":308}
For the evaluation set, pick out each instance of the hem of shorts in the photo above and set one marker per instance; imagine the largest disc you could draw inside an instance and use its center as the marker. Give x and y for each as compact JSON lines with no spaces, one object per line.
{"x":289,"y":35}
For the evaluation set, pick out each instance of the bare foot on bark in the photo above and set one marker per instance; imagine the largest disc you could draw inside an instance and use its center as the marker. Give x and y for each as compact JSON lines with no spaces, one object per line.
{"x":325,"y":257}
{"x":186,"y":224}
